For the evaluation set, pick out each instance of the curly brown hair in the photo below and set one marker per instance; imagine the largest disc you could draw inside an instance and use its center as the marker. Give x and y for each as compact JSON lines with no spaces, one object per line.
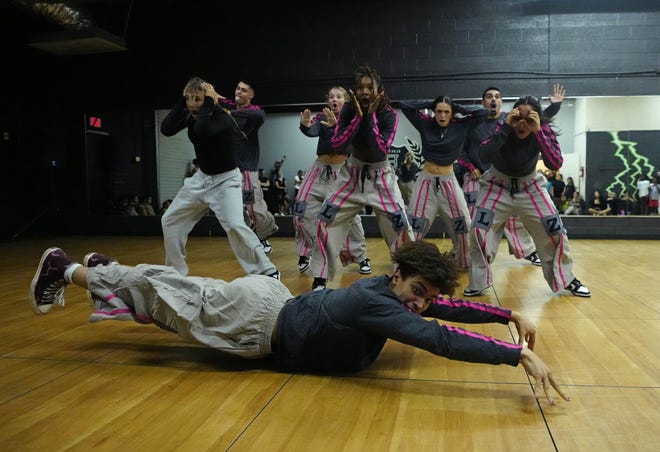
{"x":422,"y":258}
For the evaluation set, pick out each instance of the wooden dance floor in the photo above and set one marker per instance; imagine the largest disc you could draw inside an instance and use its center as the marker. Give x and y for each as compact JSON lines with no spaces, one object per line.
{"x":67,"y":384}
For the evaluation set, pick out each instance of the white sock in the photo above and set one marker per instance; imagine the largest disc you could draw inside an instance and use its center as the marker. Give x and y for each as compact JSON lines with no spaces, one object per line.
{"x":68,"y":273}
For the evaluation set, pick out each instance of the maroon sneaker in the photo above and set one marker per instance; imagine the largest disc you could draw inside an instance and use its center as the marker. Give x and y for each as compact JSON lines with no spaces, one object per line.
{"x":92,"y":260}
{"x":48,"y":284}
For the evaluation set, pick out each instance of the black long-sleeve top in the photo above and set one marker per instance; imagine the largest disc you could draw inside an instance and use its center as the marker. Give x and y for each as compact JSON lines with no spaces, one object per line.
{"x":324,"y":133}
{"x":440,"y":145}
{"x":211,"y":133}
{"x":470,"y":158}
{"x":344,"y":330}
{"x":371,"y":134}
{"x":518,"y":158}
{"x":246,"y":137}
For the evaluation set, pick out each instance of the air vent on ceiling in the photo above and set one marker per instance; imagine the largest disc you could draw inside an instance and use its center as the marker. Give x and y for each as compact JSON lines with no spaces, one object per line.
{"x":80,"y":34}
{"x":79,"y":42}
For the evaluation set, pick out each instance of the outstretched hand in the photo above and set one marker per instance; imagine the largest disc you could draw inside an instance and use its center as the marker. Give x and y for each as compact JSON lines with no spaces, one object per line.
{"x":558,"y":93}
{"x":542,"y":375}
{"x":306,"y":117}
{"x":330,"y":118}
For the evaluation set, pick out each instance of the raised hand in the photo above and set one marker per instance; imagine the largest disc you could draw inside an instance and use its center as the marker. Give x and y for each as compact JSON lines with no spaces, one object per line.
{"x":306,"y":117}
{"x":558,"y":93}
{"x":356,"y":103}
{"x":330,"y":118}
{"x":377,"y":103}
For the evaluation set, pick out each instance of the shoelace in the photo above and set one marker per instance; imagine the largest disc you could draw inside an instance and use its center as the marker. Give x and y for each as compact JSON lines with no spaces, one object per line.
{"x":575,"y":285}
{"x":54,"y":293}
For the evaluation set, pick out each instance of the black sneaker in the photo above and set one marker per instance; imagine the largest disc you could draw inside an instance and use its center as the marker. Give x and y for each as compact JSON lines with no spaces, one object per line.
{"x":319,"y":284}
{"x":534,"y":259}
{"x":268,"y":248}
{"x":474,"y":292}
{"x":303,"y":263}
{"x":365,"y":266}
{"x":48,"y":283}
{"x":275,"y":274}
{"x":92,"y":260}
{"x":578,"y":289}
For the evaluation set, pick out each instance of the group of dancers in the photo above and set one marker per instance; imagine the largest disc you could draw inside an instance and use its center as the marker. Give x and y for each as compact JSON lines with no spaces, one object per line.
{"x":496,"y":154}
{"x":501,"y":194}
{"x":345,"y":329}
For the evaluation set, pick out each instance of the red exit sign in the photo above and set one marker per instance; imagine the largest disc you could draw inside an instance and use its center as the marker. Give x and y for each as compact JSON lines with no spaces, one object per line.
{"x":95,"y":121}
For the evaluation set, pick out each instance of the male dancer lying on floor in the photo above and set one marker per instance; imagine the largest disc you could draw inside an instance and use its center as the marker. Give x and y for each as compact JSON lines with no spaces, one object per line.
{"x":327,"y":331}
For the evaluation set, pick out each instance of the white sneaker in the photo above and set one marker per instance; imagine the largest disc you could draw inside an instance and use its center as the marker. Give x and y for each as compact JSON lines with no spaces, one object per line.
{"x":365,"y":266}
{"x":319,"y":284}
{"x":303,"y":263}
{"x":268,"y":248}
{"x":474,"y":292}
{"x":534,"y":259}
{"x":578,"y":289}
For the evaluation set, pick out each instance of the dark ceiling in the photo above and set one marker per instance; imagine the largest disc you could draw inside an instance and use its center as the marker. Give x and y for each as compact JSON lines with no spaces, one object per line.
{"x":139,"y":50}
{"x":71,"y":45}
{"x":129,"y":24}
{"x":67,"y":27}
{"x":115,"y":25}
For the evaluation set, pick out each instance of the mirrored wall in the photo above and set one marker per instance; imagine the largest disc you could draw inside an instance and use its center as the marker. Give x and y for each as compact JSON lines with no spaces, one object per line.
{"x":607,"y":143}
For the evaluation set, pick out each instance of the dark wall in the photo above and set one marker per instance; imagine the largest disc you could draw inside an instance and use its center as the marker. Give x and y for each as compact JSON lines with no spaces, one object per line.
{"x":294,"y":51}
{"x":120,"y":158}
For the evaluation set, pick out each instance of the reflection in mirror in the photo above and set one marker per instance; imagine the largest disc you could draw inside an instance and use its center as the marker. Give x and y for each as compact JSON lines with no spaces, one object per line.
{"x":607,"y":144}
{"x":619,"y":139}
